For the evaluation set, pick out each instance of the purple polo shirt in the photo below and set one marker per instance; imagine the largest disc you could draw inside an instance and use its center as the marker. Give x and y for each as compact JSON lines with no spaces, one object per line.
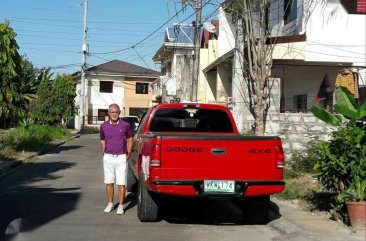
{"x":115,"y":136}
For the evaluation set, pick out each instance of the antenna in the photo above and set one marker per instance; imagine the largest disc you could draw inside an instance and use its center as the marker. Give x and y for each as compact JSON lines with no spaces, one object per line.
{"x":209,"y":27}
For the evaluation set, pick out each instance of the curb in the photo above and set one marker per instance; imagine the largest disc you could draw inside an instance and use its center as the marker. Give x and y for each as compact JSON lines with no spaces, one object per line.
{"x":283,"y":225}
{"x":7,"y":166}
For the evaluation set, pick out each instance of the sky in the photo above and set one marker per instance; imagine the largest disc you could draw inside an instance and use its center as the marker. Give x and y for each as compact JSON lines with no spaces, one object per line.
{"x":49,"y":32}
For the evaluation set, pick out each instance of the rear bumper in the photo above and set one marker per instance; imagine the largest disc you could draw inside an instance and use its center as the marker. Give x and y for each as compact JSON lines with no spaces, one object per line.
{"x":195,"y":188}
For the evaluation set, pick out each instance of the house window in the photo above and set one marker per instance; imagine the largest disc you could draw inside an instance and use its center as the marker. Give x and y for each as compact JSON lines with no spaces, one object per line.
{"x":301,"y":103}
{"x":137,"y":111}
{"x":142,"y":88}
{"x":290,"y":10}
{"x":102,"y":113}
{"x":106,"y":86}
{"x":282,"y":105}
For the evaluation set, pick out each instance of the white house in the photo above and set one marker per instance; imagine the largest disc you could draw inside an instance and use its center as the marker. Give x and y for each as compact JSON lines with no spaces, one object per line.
{"x":315,"y":43}
{"x":114,"y":82}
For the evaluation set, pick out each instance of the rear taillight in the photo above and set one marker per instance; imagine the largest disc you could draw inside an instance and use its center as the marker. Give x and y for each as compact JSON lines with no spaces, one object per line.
{"x":155,"y":155}
{"x":280,"y":157}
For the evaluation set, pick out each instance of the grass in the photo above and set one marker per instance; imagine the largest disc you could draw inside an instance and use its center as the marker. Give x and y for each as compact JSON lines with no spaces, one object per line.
{"x":30,"y":138}
{"x":306,"y":191}
{"x":298,"y":186}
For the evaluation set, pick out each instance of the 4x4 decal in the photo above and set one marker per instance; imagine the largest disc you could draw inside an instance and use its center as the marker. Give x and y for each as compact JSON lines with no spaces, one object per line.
{"x":260,"y":151}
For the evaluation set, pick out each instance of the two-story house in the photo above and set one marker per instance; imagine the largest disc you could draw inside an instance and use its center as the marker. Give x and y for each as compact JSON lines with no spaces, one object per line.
{"x":115,"y":82}
{"x":316,"y":47}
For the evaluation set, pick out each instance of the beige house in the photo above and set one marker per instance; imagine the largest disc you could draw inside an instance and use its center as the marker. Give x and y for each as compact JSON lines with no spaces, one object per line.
{"x":214,"y":84}
{"x":114,"y":82}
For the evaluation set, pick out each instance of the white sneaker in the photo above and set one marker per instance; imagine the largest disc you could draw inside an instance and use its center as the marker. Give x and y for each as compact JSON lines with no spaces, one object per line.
{"x":109,"y":208}
{"x":120,"y":210}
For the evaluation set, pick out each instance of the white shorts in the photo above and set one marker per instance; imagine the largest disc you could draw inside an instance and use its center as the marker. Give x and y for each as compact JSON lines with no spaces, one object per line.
{"x":115,"y":169}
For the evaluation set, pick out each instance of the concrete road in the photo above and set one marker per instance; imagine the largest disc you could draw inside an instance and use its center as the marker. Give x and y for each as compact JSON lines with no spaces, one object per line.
{"x":61,"y":196}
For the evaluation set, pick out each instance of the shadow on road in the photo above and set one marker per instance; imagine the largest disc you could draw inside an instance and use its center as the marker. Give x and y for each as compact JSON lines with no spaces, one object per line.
{"x":184,"y":210}
{"x":27,"y":205}
{"x":63,"y":148}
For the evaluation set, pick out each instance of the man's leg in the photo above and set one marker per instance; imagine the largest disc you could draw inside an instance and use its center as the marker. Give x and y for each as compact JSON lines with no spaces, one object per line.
{"x":110,"y":192}
{"x":121,"y":172}
{"x":109,"y":177}
{"x":121,"y":194}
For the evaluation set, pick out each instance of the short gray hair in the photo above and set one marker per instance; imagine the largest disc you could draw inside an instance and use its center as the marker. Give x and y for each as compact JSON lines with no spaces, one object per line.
{"x":115,"y":106}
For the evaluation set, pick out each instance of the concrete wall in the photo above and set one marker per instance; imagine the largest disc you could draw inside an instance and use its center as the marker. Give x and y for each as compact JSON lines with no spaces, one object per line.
{"x":224,"y":82}
{"x":297,"y":129}
{"x":207,"y":56}
{"x":226,"y":37}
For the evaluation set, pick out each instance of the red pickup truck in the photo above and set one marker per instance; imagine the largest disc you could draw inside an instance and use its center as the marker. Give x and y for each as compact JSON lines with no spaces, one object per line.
{"x":194,"y":149}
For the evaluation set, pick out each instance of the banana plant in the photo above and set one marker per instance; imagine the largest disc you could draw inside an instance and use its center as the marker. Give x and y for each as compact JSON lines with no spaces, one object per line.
{"x":345,"y":105}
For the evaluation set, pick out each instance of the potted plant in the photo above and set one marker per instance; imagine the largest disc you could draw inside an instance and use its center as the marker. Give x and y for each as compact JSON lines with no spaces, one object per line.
{"x":341,"y":165}
{"x":355,"y":199}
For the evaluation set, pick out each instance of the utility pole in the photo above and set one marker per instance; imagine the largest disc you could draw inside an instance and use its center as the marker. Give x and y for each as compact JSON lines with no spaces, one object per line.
{"x":196,"y":57}
{"x":83,"y":68}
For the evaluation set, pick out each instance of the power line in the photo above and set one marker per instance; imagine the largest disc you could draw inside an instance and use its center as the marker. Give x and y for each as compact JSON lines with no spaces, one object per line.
{"x":55,"y":50}
{"x":77,"y":21}
{"x":144,"y":39}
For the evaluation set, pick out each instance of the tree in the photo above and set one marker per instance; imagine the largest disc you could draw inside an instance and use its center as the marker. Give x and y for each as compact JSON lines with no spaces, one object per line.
{"x":255,"y":45}
{"x":55,"y":103}
{"x":63,"y":95}
{"x":28,"y":88}
{"x":256,"y":38}
{"x":41,"y":109}
{"x":10,"y":67}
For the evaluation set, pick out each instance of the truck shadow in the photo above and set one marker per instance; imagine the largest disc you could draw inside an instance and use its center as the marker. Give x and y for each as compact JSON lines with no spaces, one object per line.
{"x":211,"y":212}
{"x":184,"y":210}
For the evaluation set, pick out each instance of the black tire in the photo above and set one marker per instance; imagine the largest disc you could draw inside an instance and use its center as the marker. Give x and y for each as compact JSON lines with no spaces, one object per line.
{"x":131,"y":180}
{"x":256,"y":209}
{"x":147,"y":207}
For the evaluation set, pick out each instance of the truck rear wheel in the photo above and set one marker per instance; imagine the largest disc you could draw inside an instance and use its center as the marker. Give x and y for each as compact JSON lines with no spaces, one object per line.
{"x":147,"y":208}
{"x":256,"y":209}
{"x":131,"y":180}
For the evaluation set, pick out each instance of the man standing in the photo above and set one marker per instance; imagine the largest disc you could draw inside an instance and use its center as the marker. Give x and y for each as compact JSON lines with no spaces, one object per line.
{"x":116,"y":143}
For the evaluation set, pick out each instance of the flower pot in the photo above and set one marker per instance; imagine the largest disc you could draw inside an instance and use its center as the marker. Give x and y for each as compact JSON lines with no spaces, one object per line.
{"x":357,"y":214}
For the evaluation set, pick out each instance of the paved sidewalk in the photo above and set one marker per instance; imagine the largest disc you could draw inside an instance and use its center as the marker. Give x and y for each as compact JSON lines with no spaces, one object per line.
{"x":296,"y":223}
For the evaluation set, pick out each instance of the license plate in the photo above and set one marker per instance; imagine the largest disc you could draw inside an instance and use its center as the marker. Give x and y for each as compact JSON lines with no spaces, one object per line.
{"x":219,"y":186}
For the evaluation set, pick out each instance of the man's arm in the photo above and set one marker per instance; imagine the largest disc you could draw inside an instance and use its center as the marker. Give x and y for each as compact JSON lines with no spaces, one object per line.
{"x":102,"y":145}
{"x":129,"y":147}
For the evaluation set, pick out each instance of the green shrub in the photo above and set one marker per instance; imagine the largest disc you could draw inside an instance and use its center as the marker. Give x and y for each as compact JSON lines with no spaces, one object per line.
{"x":342,"y":158}
{"x":30,"y":138}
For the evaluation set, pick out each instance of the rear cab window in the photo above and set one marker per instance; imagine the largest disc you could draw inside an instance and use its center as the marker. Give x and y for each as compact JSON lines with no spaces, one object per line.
{"x":191,"y":120}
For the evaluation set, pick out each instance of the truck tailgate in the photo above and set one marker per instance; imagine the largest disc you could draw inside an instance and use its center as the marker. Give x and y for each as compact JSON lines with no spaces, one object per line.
{"x":213,"y":157}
